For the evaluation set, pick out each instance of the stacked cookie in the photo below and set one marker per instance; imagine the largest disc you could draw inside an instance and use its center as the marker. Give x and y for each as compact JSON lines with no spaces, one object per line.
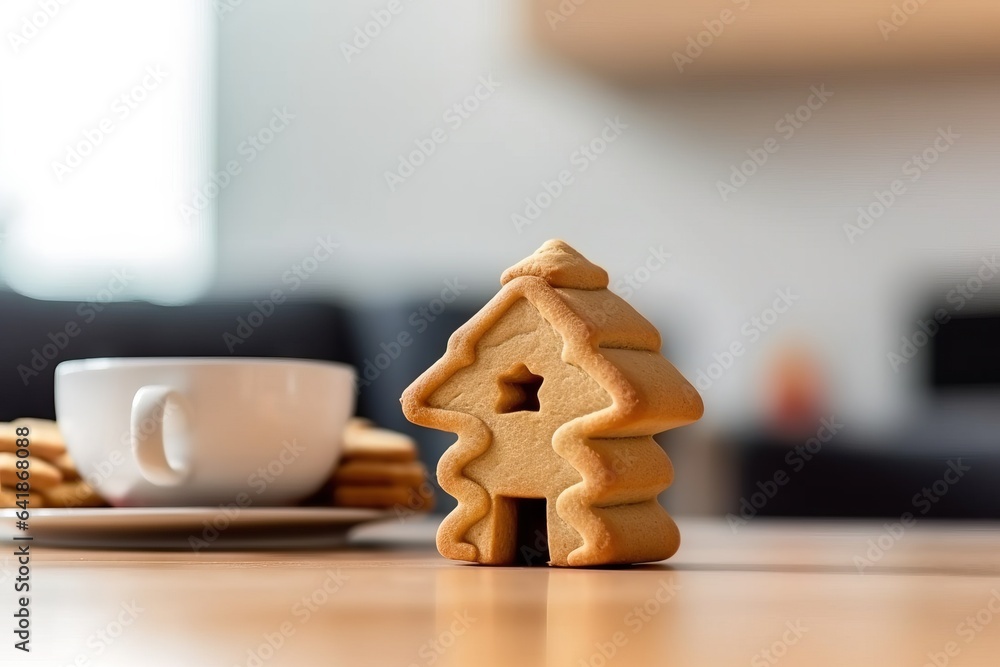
{"x":52,"y":475}
{"x":379,"y":469}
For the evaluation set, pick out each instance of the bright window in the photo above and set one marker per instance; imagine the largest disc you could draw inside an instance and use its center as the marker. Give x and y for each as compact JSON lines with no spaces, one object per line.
{"x":106,"y":114}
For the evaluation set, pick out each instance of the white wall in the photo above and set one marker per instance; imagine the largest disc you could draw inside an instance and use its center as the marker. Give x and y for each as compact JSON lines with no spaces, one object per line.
{"x":656,"y":185}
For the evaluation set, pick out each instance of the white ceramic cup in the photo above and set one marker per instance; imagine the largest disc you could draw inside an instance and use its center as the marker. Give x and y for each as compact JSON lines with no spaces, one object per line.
{"x":194,"y":432}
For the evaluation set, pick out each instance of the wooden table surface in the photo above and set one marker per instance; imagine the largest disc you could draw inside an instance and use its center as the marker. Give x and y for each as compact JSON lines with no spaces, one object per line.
{"x":788,"y":593}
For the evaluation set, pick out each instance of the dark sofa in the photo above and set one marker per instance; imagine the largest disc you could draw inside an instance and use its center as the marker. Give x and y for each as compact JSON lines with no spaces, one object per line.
{"x":35,"y":336}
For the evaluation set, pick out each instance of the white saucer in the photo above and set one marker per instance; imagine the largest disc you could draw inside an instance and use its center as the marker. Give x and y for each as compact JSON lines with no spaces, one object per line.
{"x":190,"y":528}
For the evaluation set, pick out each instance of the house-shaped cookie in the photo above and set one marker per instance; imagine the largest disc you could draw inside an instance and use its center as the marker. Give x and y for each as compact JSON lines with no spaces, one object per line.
{"x":555,"y":389}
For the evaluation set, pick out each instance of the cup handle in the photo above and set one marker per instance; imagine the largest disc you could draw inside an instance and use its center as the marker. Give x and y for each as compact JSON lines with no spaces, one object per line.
{"x":147,"y":435}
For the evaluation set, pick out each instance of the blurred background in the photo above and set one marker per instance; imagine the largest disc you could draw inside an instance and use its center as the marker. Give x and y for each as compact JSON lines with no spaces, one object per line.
{"x":801,"y":197}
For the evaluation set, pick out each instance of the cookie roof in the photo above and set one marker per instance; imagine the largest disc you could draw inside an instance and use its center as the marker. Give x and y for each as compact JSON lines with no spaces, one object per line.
{"x":603,"y":335}
{"x":560,"y":266}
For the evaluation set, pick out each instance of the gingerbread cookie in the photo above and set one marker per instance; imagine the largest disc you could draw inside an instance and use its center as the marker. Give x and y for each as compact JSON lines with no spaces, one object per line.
{"x":10,"y":499}
{"x":44,"y":438}
{"x":55,"y":481}
{"x":72,"y":494}
{"x":41,"y":474}
{"x":555,"y":389}
{"x":379,"y":470}
{"x":380,"y":497}
{"x":373,"y":473}
{"x":67,"y":467}
{"x":364,"y":441}
{"x":402,"y":498}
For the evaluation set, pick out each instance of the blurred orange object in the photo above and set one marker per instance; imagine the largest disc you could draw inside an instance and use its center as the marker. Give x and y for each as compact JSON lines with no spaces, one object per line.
{"x":663,"y":41}
{"x":796,"y":390}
